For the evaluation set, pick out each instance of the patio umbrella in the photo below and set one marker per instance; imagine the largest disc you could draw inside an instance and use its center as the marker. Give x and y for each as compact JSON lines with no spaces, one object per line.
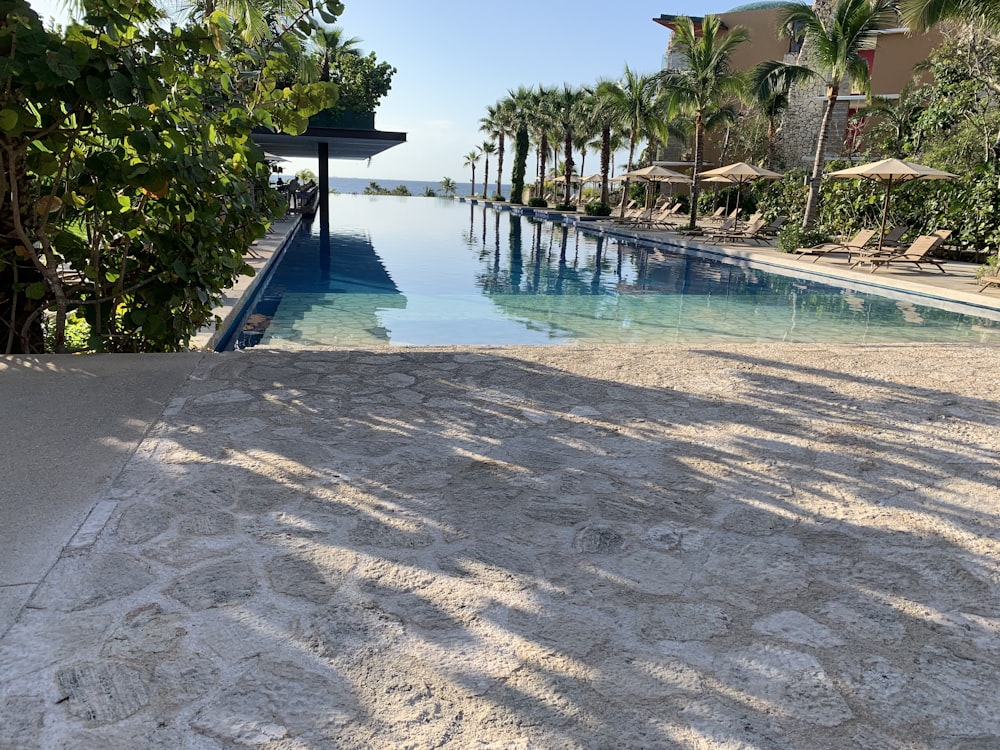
{"x":891,"y":172}
{"x":739,"y":174}
{"x":652,"y":174}
{"x":596,"y":178}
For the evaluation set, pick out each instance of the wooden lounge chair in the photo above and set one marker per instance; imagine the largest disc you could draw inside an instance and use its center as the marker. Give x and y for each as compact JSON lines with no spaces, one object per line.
{"x":742,"y":235}
{"x":770,"y":230}
{"x":856,"y":244}
{"x":894,"y":237}
{"x":988,"y":280}
{"x":916,"y":254}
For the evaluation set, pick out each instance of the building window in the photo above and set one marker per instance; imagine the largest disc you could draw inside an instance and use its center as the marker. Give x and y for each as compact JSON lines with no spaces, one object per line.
{"x":795,"y":42}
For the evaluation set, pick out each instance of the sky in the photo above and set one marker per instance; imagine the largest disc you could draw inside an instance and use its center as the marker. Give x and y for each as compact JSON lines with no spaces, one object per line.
{"x":456,"y":57}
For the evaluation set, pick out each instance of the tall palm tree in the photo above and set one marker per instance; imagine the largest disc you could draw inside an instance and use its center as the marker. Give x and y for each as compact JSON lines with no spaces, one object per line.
{"x":488,"y":148}
{"x":768,"y":91}
{"x":633,"y":104}
{"x":519,"y":106}
{"x":637,"y":108}
{"x":566,"y":104}
{"x":331,"y":43}
{"x":707,"y":82}
{"x":835,"y":45}
{"x":542,"y":120}
{"x":471,"y":160}
{"x":498,"y":124}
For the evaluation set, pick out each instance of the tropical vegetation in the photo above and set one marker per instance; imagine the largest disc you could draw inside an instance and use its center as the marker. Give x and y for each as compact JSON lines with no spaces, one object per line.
{"x":948,"y":118}
{"x":131,"y":188}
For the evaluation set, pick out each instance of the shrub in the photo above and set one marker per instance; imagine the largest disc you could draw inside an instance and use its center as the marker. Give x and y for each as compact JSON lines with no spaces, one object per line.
{"x":596,"y":208}
{"x":538,"y":203}
{"x":498,"y":197}
{"x":990,"y":268}
{"x":565,"y":207}
{"x":793,"y":236}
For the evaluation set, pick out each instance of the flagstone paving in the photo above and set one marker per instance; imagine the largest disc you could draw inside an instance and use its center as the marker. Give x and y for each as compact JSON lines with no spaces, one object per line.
{"x":741,"y":547}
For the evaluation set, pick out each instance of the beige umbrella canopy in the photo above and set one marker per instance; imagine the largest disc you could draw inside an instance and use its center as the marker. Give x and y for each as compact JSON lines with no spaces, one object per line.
{"x":653,"y":173}
{"x":739,"y":174}
{"x":891,"y":172}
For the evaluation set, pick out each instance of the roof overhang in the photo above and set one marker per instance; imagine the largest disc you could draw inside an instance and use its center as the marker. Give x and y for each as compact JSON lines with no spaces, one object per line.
{"x":670,"y":21}
{"x":344,"y":143}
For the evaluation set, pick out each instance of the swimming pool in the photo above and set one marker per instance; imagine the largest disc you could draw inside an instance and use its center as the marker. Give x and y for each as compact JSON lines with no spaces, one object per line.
{"x":424,"y":271}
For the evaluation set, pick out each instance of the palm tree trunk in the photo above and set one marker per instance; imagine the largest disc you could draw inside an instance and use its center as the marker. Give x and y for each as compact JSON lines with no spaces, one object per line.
{"x":812,"y":202}
{"x":605,"y":161}
{"x":699,"y":152}
{"x":499,"y":162}
{"x":543,"y":152}
{"x":486,"y":175}
{"x":569,"y":163}
{"x":631,"y":153}
{"x":772,"y":133}
{"x":472,"y":192}
{"x":520,"y":163}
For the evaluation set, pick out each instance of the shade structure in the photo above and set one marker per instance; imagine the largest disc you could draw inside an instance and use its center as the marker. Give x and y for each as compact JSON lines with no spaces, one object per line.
{"x":739,"y":174}
{"x":653,"y":173}
{"x":891,"y":172}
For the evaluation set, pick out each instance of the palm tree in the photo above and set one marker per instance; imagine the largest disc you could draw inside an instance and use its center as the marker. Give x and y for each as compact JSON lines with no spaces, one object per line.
{"x":471,"y":160}
{"x":835,"y":45}
{"x":768,"y":92}
{"x":708,"y":81}
{"x":519,"y":110}
{"x":920,"y":15}
{"x":542,"y":120}
{"x":488,"y":147}
{"x":331,"y":43}
{"x":633,"y":104}
{"x":498,"y":124}
{"x":566,"y":105}
{"x":448,"y":187}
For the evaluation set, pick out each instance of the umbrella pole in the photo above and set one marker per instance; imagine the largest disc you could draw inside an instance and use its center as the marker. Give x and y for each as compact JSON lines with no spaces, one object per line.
{"x":885,"y":213}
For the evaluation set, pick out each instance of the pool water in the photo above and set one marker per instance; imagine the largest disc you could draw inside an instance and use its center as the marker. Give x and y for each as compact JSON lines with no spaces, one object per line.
{"x":424,"y":271}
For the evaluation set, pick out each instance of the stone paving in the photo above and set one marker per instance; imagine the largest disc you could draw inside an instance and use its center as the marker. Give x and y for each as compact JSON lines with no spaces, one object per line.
{"x":745,"y":547}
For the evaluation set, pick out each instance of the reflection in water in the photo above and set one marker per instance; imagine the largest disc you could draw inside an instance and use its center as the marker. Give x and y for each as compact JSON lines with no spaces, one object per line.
{"x":478,"y":279}
{"x":347,"y":272}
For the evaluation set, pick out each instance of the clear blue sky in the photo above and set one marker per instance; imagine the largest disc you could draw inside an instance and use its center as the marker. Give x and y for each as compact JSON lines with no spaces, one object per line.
{"x":454,"y":58}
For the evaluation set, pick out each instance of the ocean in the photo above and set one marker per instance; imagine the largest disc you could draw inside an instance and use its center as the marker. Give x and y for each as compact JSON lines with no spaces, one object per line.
{"x":351,"y":185}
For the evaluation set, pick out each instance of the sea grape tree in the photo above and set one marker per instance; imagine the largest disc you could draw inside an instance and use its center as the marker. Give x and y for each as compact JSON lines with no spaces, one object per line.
{"x":130,"y":186}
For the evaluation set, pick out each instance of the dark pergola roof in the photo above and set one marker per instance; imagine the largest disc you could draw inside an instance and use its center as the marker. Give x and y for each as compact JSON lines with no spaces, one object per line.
{"x":344,"y":143}
{"x":670,"y":21}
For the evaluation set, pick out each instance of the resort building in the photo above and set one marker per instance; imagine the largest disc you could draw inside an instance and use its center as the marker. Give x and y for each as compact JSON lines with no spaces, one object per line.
{"x":891,"y":65}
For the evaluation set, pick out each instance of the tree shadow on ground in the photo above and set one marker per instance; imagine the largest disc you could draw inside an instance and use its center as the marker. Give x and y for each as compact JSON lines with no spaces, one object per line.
{"x":566,"y":548}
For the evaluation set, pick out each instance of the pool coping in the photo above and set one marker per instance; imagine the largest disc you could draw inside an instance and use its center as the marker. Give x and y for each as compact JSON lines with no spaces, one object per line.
{"x":266,"y":252}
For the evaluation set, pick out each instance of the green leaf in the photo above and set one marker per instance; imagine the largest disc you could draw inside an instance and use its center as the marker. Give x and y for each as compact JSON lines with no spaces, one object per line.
{"x":35,"y":290}
{"x":121,"y":88}
{"x":8,"y":119}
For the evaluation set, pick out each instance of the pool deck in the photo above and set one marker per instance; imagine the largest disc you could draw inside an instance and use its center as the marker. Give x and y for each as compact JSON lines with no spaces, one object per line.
{"x":743,"y":546}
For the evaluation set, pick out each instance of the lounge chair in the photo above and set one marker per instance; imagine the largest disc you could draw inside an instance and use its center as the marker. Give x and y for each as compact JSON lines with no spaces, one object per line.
{"x":916,"y":254}
{"x":857,"y":243}
{"x":726,"y":226}
{"x":720,"y":214}
{"x":894,"y":237}
{"x":749,"y":232}
{"x":770,"y":230}
{"x":660,"y":219}
{"x":991,"y":279}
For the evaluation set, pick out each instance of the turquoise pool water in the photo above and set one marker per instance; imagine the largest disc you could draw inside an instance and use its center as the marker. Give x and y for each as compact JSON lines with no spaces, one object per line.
{"x":421,"y":271}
